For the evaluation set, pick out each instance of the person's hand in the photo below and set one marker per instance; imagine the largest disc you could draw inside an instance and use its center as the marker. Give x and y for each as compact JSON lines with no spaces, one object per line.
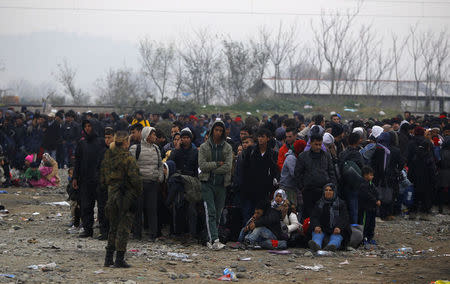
{"x":317,"y":230}
{"x":239,"y":149}
{"x":337,"y":231}
{"x":251,"y":226}
{"x":378,"y":203}
{"x":75,"y":184}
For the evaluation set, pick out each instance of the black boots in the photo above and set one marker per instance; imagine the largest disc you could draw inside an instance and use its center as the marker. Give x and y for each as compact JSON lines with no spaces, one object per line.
{"x":103,"y":236}
{"x":86,"y":234}
{"x":109,"y":258}
{"x":120,"y":262}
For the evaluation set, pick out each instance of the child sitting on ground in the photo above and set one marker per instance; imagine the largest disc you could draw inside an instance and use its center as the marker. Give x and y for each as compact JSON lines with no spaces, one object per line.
{"x":369,"y":201}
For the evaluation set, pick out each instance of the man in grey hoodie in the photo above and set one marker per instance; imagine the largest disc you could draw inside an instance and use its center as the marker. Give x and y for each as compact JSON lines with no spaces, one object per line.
{"x":215,"y":162}
{"x":150,"y":166}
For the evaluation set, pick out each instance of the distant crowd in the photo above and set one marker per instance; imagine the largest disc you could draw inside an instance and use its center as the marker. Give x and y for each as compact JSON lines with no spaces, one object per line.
{"x":242,"y":181}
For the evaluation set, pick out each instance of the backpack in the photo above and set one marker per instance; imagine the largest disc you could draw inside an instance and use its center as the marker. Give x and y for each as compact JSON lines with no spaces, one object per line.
{"x":138,"y":151}
{"x":351,"y":174}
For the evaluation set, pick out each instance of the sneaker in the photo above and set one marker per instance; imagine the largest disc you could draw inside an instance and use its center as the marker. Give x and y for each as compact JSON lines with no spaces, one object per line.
{"x":373,"y":242}
{"x":330,"y":248}
{"x":378,"y":220}
{"x":217,"y":245}
{"x":313,"y":246}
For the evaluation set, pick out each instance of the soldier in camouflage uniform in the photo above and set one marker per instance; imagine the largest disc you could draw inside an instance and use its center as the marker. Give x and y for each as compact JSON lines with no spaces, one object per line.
{"x":120,"y":173}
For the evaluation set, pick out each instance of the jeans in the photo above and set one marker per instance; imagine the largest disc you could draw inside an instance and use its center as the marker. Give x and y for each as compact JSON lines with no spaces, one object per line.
{"x":335,"y":239}
{"x":351,"y":197}
{"x":256,"y":236}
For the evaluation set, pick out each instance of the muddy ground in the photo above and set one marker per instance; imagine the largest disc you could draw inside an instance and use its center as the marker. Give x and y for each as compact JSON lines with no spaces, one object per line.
{"x":27,"y":239}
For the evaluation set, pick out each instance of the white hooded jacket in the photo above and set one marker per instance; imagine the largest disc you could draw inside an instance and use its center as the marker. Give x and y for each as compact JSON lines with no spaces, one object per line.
{"x":149,"y":161}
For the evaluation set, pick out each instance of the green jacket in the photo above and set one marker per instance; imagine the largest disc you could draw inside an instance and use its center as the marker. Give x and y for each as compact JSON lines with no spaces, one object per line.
{"x":208,"y":158}
{"x":120,"y":168}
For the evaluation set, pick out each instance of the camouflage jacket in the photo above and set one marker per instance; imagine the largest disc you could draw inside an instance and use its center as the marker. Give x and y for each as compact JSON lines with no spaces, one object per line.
{"x":120,"y":168}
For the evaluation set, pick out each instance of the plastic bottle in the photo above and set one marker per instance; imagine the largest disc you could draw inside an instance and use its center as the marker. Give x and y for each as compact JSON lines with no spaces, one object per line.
{"x":405,"y":250}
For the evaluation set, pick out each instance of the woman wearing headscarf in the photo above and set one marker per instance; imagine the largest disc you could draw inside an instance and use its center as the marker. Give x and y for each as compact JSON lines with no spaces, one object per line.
{"x":329,"y":221}
{"x":48,"y":173}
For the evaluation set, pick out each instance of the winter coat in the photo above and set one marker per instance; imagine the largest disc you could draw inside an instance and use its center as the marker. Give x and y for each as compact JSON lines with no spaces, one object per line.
{"x":186,"y":160}
{"x":287,"y":178}
{"x":88,"y":157}
{"x":34,"y":140}
{"x":149,"y":160}
{"x":271,"y":219}
{"x":210,"y":154}
{"x":320,"y":217}
{"x":314,"y":170}
{"x":291,"y":221}
{"x":52,"y":136}
{"x":282,"y":156}
{"x":71,"y":132}
{"x":351,"y":154}
{"x":258,"y":172}
{"x":20,"y":135}
{"x":421,"y":165}
{"x":444,"y":164}
{"x":368,"y":196}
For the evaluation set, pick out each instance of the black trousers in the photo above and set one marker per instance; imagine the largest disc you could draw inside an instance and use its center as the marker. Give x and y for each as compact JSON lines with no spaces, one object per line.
{"x":147,"y":210}
{"x":90,"y":192}
{"x":310,"y":197}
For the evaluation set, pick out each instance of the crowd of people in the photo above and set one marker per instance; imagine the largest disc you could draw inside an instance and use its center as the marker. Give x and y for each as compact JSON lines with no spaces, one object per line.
{"x":269,"y":182}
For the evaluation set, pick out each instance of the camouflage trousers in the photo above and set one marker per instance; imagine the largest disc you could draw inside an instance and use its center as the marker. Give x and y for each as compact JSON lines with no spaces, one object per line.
{"x":120,"y":224}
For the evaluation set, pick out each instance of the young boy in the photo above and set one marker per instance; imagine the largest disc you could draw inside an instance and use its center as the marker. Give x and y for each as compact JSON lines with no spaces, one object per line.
{"x":368,"y":203}
{"x":74,"y":200}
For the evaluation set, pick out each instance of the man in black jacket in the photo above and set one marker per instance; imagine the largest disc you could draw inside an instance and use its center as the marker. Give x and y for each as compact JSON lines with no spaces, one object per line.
{"x":86,"y":178}
{"x":259,"y":164}
{"x":350,"y":184}
{"x":71,"y":135}
{"x":314,"y":169}
{"x":186,"y":160}
{"x":52,"y":136}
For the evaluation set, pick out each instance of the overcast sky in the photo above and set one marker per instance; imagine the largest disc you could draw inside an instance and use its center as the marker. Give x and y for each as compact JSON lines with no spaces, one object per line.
{"x":95,"y":35}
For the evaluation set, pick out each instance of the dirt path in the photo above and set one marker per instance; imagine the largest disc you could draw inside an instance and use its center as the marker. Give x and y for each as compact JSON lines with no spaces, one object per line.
{"x":45,"y":239}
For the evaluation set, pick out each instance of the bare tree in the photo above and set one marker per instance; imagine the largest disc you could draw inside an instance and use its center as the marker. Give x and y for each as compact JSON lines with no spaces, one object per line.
{"x":241,"y":69}
{"x":441,"y":52}
{"x":302,"y":71}
{"x":334,"y":42}
{"x":157,"y":59}
{"x":280,"y":46}
{"x":397,"y":53}
{"x":122,"y":88}
{"x":414,"y":48}
{"x":260,"y":53}
{"x":375,"y":63}
{"x":201,"y":63}
{"x":66,"y":76}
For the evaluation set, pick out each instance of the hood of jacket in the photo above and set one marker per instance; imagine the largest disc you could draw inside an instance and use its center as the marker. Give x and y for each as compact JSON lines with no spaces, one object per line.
{"x":94,"y":133}
{"x":217,"y":123}
{"x":146,"y":131}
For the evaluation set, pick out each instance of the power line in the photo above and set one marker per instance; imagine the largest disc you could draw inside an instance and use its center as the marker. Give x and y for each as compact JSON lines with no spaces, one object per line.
{"x":247,"y":13}
{"x":407,"y":2}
